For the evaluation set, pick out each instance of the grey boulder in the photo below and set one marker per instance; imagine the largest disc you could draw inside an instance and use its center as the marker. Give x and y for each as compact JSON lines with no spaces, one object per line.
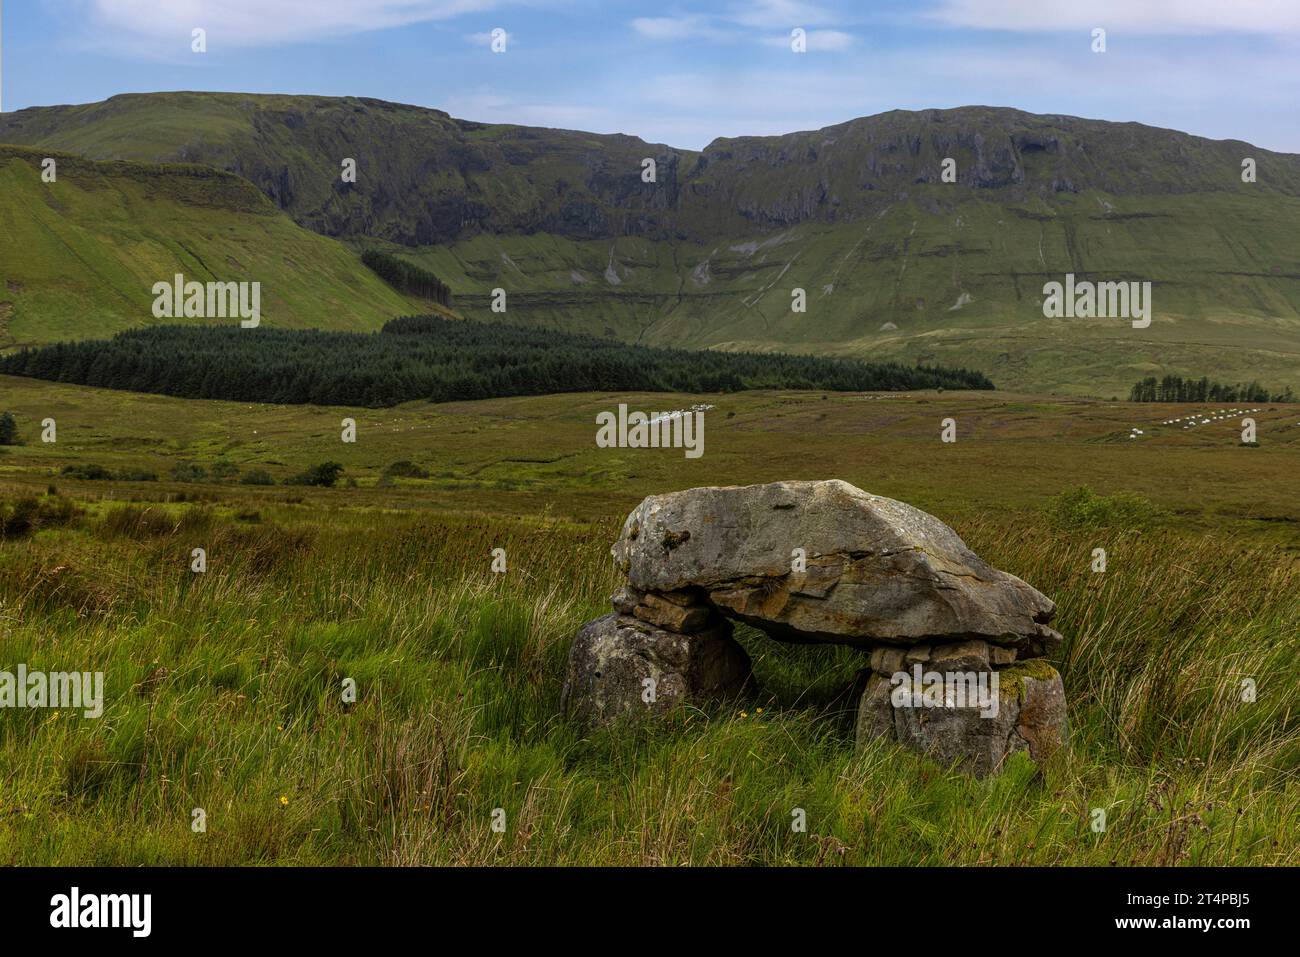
{"x":1030,"y":716}
{"x":620,"y":665}
{"x":878,"y":571}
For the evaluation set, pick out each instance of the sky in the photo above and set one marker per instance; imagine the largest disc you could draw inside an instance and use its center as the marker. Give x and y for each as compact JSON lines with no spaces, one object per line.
{"x":683,"y":72}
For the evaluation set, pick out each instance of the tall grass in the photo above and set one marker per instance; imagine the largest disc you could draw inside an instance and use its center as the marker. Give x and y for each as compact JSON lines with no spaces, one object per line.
{"x":224,"y":692}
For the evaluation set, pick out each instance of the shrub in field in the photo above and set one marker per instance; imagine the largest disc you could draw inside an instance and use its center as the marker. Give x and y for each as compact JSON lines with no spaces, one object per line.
{"x":1081,"y":507}
{"x":88,"y":473}
{"x":21,"y":517}
{"x":265,"y":548}
{"x":136,"y":522}
{"x":323,"y":475}
{"x":406,"y":469}
{"x":189,"y":472}
{"x":257,"y":477}
{"x":8,"y":429}
{"x":97,"y":473}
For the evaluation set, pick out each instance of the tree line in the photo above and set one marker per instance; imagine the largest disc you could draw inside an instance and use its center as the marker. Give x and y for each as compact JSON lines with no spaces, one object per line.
{"x":440,"y":360}
{"x":407,"y":277}
{"x":1174,"y":388}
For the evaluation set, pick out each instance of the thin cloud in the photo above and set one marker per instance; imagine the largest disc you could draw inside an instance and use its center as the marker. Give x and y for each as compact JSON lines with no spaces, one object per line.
{"x":767,"y":14}
{"x":249,"y":23}
{"x":818,"y":41}
{"x":1171,"y":17}
{"x":754,"y":21}
{"x":485,"y":38}
{"x":691,"y":27}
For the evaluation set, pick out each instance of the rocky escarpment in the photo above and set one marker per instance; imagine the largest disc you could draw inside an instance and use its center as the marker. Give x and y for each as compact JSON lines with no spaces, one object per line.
{"x":426,"y":177}
{"x":954,"y":647}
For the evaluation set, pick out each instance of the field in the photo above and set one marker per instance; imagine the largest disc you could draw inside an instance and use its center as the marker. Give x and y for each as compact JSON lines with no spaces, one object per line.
{"x":223,"y":688}
{"x":537,"y":454}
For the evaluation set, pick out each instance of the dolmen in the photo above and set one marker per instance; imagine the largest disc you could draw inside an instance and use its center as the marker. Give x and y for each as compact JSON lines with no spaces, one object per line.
{"x":956,"y":649}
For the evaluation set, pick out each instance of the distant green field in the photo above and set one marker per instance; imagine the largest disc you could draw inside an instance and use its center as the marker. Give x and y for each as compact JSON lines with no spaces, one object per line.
{"x":535,"y":455}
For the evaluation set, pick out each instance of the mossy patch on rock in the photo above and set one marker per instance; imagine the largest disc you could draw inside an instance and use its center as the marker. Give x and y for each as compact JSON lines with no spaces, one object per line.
{"x":1011,"y":681}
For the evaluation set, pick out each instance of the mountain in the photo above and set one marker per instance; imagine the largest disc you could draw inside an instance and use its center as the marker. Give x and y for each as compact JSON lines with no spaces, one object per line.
{"x":79,"y":256}
{"x":895,"y":262}
{"x":425,"y":177}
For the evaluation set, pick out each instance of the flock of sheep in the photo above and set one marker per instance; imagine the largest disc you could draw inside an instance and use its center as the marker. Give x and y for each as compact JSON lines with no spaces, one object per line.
{"x":1197,"y":418}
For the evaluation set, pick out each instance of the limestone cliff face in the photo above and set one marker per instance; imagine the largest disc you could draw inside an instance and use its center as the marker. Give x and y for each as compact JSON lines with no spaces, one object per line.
{"x":426,"y":177}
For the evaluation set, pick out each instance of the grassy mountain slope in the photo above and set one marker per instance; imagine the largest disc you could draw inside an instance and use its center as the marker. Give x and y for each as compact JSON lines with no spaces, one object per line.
{"x":965,"y":288}
{"x":79,"y":256}
{"x":422,"y":176}
{"x":896,"y":264}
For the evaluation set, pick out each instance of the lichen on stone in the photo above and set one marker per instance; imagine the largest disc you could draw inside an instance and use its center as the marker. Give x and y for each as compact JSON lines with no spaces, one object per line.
{"x":1011,"y":681}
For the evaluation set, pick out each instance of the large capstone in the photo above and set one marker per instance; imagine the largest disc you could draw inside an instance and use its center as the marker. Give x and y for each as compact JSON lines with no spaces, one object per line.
{"x":828,"y":562}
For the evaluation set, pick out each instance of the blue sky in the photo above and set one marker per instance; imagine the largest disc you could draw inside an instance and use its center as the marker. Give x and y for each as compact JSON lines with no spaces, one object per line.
{"x":683,"y":72}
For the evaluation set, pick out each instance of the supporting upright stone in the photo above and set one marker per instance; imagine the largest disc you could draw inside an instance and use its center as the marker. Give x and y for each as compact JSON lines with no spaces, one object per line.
{"x":1026,"y":712}
{"x":621,"y":665}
